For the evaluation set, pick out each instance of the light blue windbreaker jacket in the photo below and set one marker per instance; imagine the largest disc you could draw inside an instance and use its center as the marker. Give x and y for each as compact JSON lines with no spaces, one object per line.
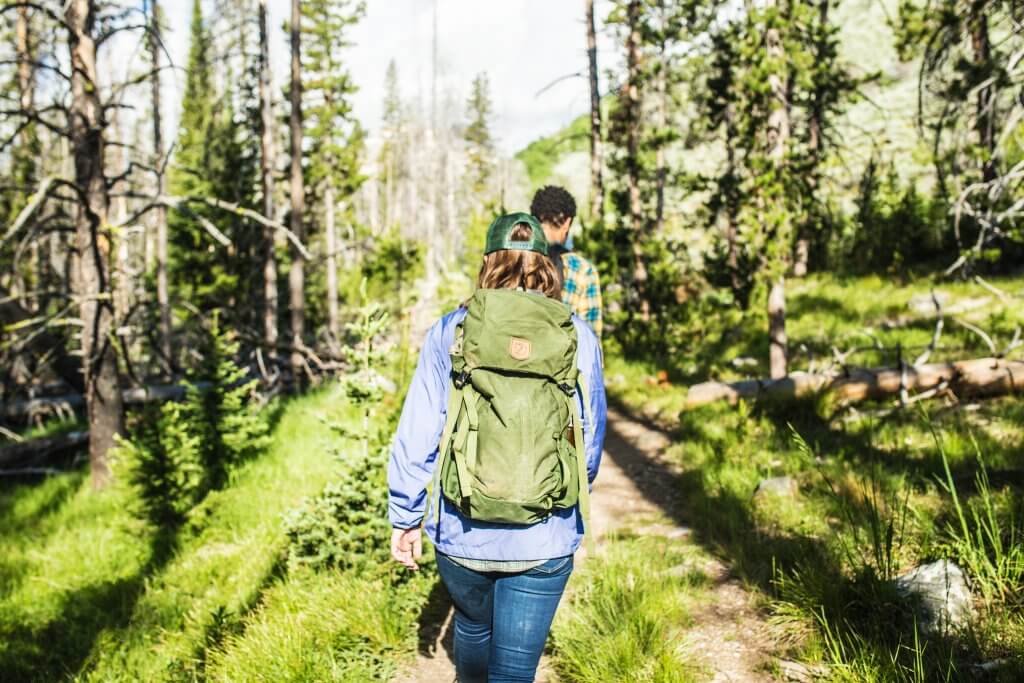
{"x":415,"y":449}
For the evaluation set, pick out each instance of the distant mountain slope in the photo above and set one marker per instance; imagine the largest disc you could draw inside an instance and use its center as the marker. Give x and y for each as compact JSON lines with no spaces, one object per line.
{"x":882,"y":122}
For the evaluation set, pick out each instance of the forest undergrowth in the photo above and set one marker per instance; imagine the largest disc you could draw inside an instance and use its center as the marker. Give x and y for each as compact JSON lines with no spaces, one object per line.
{"x":257,"y":581}
{"x":879,"y":490}
{"x":276,"y":572}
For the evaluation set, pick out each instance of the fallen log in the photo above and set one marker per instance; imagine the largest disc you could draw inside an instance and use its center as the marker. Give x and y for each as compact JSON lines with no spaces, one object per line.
{"x":30,"y":454}
{"x":69,"y":402}
{"x":967,"y":378}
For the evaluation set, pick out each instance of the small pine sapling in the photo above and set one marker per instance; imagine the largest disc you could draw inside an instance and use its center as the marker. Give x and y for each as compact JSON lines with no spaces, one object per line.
{"x":162,"y":465}
{"x":229,"y":423}
{"x":344,"y":525}
{"x":365,"y":386}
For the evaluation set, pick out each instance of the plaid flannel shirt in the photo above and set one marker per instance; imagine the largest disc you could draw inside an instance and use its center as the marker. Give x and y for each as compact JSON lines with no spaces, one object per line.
{"x":581,"y":289}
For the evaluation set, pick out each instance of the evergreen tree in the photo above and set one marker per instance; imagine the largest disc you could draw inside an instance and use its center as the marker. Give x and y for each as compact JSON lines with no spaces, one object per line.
{"x":336,"y":139}
{"x":968,"y":94}
{"x":213,"y":159}
{"x":479,"y":143}
{"x":773,"y":88}
{"x":391,"y":160}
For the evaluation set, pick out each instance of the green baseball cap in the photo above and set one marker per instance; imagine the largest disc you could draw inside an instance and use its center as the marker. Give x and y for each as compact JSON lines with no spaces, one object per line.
{"x":499,"y":234}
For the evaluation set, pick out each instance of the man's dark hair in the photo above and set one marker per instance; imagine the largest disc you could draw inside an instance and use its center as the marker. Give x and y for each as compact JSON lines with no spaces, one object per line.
{"x":553,"y":204}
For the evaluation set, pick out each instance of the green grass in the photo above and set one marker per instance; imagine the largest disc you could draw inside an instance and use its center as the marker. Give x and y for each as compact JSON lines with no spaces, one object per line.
{"x":862,"y":313}
{"x":88,"y":592}
{"x":624,"y":615}
{"x":323,"y":627}
{"x":875,"y":493}
{"x":542,"y":155}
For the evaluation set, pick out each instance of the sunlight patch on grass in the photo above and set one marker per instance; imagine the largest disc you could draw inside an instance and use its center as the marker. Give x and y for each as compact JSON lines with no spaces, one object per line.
{"x":625,"y":614}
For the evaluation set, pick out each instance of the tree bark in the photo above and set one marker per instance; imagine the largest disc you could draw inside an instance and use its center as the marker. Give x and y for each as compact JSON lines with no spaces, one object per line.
{"x":297,"y":272}
{"x":633,"y":153}
{"x":92,"y":282}
{"x":778,"y":138}
{"x":660,"y":169}
{"x":985,"y":117}
{"x":815,"y":131}
{"x":270,"y":295}
{"x":26,"y":81}
{"x":121,"y":280}
{"x":967,"y":378}
{"x":163,"y":297}
{"x":23,"y":283}
{"x":332,"y":268}
{"x":777,"y":357}
{"x":731,"y":208}
{"x":596,"y":151}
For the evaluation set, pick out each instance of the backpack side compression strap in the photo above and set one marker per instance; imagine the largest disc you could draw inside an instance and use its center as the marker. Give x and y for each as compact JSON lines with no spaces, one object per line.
{"x":581,"y":459}
{"x":451,"y":417}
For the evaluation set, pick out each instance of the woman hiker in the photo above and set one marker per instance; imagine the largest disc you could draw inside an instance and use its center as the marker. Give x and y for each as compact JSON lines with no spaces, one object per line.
{"x":499,"y":440}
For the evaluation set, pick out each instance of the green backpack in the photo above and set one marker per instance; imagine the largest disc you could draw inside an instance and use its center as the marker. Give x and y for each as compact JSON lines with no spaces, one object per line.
{"x":507,"y":451}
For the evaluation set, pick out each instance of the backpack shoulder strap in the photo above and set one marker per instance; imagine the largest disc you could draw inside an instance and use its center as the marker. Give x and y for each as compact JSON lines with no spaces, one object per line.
{"x":451,"y":417}
{"x":455,"y":403}
{"x":581,"y":457}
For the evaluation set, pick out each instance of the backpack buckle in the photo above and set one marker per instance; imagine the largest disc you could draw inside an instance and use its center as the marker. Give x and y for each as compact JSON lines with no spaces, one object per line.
{"x":568,"y":389}
{"x":459,"y":379}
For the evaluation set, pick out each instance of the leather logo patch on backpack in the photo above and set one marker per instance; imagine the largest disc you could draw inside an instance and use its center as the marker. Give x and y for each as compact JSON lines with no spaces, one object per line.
{"x":519,"y":348}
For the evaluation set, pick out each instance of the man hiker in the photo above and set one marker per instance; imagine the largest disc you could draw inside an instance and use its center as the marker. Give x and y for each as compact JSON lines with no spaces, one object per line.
{"x":555,"y":208}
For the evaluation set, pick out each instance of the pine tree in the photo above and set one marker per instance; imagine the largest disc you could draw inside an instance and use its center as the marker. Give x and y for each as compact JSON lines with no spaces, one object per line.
{"x":773,"y":89}
{"x":391,"y":159}
{"x":213,"y":159}
{"x":227,"y":422}
{"x":479,"y":143}
{"x":336,"y":138}
{"x":967,"y":98}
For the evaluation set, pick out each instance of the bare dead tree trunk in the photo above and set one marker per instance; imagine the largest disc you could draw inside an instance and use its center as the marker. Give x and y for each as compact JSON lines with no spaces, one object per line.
{"x":332,"y":267}
{"x":777,"y":351}
{"x":815,"y":126}
{"x":731,"y":211}
{"x":984,"y":124}
{"x":633,"y":152}
{"x":92,"y":281}
{"x":121,"y":282}
{"x":660,"y":168}
{"x":26,"y":75}
{"x":778,"y":138}
{"x":596,"y":151}
{"x":297,"y":272}
{"x":163,"y":296}
{"x":22,"y":282}
{"x":270,"y":296}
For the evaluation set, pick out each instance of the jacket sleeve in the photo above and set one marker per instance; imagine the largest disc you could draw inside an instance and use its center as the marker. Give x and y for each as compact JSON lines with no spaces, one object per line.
{"x":595,"y":418}
{"x":414,"y":449}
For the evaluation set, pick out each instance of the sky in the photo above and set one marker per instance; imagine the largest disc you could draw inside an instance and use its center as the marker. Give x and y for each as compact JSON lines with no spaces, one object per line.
{"x":523,"y":45}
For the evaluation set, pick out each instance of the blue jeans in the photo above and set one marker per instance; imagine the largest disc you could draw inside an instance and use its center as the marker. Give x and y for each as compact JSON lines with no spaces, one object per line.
{"x":502,"y":620}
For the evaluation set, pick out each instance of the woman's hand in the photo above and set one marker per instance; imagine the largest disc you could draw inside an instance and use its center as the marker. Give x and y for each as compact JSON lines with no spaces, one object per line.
{"x":407,"y":546}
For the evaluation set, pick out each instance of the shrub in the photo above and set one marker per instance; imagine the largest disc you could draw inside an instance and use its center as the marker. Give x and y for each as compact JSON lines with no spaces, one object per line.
{"x":346,"y":525}
{"x":894,"y":225}
{"x":162,"y":464}
{"x":181,"y":451}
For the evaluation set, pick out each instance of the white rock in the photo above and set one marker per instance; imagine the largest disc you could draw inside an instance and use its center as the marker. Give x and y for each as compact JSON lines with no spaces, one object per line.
{"x":777,"y":486}
{"x":944,"y":598}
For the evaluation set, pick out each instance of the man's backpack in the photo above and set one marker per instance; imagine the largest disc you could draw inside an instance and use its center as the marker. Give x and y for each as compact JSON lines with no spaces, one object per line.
{"x":512,"y":447}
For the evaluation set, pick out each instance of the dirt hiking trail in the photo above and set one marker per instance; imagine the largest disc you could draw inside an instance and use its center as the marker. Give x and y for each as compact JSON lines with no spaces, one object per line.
{"x":634,"y":490}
